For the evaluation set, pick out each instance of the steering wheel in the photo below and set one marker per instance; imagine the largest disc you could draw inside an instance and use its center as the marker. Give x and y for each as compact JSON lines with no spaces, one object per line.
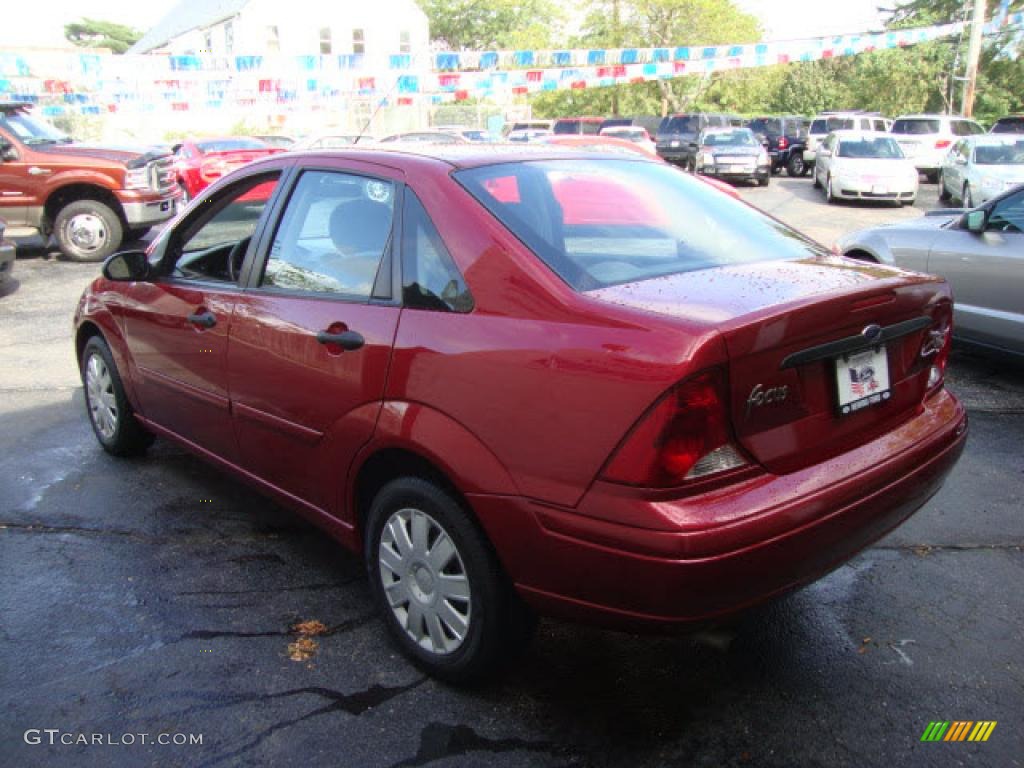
{"x":235,"y":258}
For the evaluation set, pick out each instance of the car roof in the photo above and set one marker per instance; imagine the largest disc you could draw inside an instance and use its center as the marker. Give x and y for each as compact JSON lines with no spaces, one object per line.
{"x":465,"y":155}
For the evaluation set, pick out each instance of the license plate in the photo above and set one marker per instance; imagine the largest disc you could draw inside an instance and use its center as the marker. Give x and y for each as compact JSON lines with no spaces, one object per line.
{"x":862,"y":379}
{"x":877,"y":189}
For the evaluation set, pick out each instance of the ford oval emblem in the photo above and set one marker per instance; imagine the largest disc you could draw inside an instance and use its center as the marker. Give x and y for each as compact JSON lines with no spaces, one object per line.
{"x":872,"y":332}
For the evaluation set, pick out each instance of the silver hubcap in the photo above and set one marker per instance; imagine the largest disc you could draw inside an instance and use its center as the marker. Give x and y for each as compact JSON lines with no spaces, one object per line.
{"x":87,"y":232}
{"x":99,"y":391}
{"x":425,"y":581}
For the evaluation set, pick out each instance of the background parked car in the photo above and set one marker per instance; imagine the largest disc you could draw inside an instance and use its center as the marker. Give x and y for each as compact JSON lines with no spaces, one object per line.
{"x":524,"y":135}
{"x":634,"y":133}
{"x":200,"y":162}
{"x":577,"y":125}
{"x":331,"y":141}
{"x":469,"y":134}
{"x":785,"y":138}
{"x":7,"y":255}
{"x":981,"y":167}
{"x":826,"y":122}
{"x":276,"y":140}
{"x":650,"y":123}
{"x":864,"y":166}
{"x":926,"y":139}
{"x":733,"y":154}
{"x":1008,"y":124}
{"x":527,"y":125}
{"x":423,"y":137}
{"x":981,"y":254}
{"x":678,"y":134}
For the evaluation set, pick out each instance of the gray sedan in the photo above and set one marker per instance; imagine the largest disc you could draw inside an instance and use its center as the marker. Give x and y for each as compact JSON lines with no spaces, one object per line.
{"x":979,"y":251}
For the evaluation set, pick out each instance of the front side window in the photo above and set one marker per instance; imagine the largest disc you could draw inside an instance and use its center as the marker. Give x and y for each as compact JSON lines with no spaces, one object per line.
{"x":1008,"y":214}
{"x":333,"y":236}
{"x":214,"y":244}
{"x":601,"y":222}
{"x":429,"y":276}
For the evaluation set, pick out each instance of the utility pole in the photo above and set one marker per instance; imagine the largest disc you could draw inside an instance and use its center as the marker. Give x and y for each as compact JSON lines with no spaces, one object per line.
{"x":973,"y":54}
{"x":617,"y":42}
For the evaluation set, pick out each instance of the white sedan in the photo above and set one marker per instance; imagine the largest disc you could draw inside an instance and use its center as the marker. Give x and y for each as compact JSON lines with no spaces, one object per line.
{"x":979,"y":168}
{"x":857,"y":165}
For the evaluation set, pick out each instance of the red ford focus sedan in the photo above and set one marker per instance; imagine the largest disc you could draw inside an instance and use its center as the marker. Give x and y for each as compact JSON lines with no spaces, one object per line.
{"x":512,"y":397}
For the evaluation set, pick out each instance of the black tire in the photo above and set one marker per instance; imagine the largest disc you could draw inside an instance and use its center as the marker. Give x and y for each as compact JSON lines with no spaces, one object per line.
{"x":829,"y":197}
{"x":764,"y":182}
{"x":796,"y":165}
{"x":498,"y":622}
{"x":136,"y":234}
{"x":944,"y":194}
{"x":102,"y":228}
{"x":128,"y":438}
{"x":817,"y":182}
{"x":967,"y":198}
{"x":931,"y":176}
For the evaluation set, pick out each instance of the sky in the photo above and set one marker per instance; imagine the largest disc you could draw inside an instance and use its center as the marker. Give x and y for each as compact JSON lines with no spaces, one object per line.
{"x":43,"y":24}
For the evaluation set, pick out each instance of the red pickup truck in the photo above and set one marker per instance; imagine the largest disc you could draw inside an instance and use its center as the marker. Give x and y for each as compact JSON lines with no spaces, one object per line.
{"x":91,"y":198}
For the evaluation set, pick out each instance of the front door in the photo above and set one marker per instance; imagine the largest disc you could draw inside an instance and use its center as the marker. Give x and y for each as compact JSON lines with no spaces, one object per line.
{"x":986,"y":271}
{"x":311,"y":339}
{"x":177,"y":326}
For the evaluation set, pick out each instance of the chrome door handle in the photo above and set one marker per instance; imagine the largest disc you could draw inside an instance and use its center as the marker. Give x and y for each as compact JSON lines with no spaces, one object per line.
{"x":35,"y":170}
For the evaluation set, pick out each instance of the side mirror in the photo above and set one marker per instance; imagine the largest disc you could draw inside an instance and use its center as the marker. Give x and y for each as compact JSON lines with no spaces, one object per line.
{"x":974,"y":221}
{"x":127,"y":266}
{"x":7,"y":151}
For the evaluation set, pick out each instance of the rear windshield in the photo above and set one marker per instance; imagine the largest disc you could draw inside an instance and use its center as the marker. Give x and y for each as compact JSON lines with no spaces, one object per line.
{"x":827,"y":125}
{"x":605,"y":222}
{"x":882,"y":147}
{"x":230,"y":145}
{"x":682,"y":124}
{"x":1009,"y":125}
{"x":915,"y":125}
{"x":1003,"y":154}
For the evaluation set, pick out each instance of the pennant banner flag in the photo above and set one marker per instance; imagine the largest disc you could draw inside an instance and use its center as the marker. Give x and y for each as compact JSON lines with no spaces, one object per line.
{"x":91,"y":83}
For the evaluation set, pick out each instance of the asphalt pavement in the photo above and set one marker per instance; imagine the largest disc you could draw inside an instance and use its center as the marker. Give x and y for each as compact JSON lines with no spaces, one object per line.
{"x":155,"y":596}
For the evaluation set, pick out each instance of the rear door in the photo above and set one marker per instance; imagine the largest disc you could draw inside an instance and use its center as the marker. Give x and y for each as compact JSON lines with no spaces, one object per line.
{"x":986,"y":271}
{"x":312,"y":337}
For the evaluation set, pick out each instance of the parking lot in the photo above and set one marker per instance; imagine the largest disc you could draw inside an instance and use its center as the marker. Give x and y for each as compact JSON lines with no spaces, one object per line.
{"x":154,"y":595}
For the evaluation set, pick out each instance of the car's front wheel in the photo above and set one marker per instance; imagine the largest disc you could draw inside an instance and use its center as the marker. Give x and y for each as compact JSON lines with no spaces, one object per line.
{"x":88,"y":230}
{"x":968,"y":198}
{"x":109,"y":411}
{"x":944,"y":194}
{"x":438,"y":583}
{"x":829,"y":196}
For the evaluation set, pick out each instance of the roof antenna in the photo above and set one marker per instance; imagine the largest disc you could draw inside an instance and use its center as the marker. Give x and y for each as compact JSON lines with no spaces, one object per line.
{"x":379,"y":105}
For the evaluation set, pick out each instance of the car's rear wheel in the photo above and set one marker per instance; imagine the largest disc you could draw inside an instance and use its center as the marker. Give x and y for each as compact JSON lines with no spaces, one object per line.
{"x":438,"y":583}
{"x":87,"y":230}
{"x":944,"y":193}
{"x":817,"y":181}
{"x":967,"y":198}
{"x":829,"y":196}
{"x":109,"y":411}
{"x":796,"y":165}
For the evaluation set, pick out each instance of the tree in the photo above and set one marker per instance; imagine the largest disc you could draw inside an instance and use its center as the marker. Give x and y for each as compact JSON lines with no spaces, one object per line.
{"x":93,"y":33}
{"x":480,"y":25}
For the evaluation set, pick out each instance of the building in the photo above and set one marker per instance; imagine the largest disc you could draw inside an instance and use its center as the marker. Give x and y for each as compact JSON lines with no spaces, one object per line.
{"x":295,"y":28}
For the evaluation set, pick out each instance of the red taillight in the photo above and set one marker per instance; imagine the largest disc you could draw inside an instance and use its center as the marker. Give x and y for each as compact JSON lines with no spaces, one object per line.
{"x":942,"y":143}
{"x":783,"y":142}
{"x":685,"y":436}
{"x":938,"y":340}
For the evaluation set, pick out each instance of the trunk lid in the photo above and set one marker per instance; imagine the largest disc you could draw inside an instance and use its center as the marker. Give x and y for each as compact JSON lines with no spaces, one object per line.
{"x":784,"y":324}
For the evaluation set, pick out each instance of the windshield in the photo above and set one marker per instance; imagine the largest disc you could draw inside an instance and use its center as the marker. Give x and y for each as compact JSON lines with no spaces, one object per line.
{"x":604,"y":222}
{"x":1009,"y":125}
{"x":230,"y":145}
{"x":881,"y":147}
{"x":915,"y":126}
{"x":743,"y":138}
{"x":31,"y":130}
{"x":1001,"y":154}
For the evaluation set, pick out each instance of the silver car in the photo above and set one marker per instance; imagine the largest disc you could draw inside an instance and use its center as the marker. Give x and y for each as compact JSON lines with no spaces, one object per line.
{"x":980,"y":252}
{"x":980,"y":167}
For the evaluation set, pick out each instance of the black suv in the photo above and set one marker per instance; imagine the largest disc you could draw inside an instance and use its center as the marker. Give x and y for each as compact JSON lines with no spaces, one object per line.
{"x":677,"y":135}
{"x":785,"y":138}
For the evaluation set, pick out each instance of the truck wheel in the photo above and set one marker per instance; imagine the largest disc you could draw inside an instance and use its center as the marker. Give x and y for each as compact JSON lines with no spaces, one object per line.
{"x":88,"y":230}
{"x":796,"y":165}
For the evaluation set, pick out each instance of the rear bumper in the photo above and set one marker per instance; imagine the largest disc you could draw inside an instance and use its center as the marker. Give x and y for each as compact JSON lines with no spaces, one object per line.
{"x":7,"y":256}
{"x":622,"y":561}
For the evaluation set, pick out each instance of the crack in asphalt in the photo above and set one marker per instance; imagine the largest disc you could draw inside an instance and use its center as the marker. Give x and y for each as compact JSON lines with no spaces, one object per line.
{"x":296,"y":588}
{"x":440,"y":740}
{"x":354,"y":704}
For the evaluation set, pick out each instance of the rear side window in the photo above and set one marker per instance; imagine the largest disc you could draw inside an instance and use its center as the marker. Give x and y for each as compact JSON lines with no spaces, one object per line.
{"x":604,"y":222}
{"x":766,"y":125}
{"x":430,"y":278}
{"x":333,"y":235}
{"x":965,"y":128}
{"x":915,"y":126}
